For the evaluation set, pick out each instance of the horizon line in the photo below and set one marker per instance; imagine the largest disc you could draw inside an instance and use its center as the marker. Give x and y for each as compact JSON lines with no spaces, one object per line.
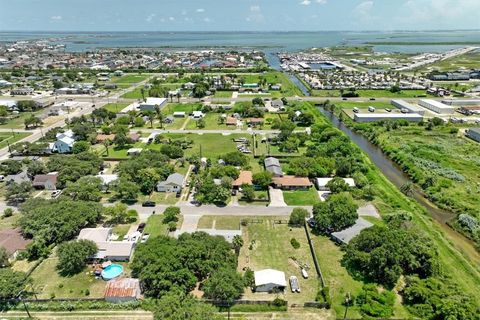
{"x":240,"y":31}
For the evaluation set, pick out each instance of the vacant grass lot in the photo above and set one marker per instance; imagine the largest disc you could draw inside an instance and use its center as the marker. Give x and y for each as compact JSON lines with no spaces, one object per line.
{"x":115,"y":107}
{"x":301,"y":197}
{"x":18,"y":121}
{"x":8,"y":138}
{"x":132,"y":78}
{"x":267,"y":245}
{"x":223,"y":94}
{"x":274,"y":77}
{"x":469,"y":60}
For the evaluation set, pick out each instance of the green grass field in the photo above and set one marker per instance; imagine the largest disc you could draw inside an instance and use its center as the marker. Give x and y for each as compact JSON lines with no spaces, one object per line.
{"x":115,"y":107}
{"x":8,"y":138}
{"x":223,"y":94}
{"x":468,"y":61}
{"x":135,"y":94}
{"x":132,"y":78}
{"x":372,"y":93}
{"x":301,"y":197}
{"x":267,"y":245}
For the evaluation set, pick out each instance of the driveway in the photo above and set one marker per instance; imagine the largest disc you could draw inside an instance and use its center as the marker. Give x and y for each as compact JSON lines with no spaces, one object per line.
{"x":276,"y":198}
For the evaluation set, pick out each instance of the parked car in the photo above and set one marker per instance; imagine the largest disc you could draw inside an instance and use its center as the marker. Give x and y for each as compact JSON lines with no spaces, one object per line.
{"x":304,"y":274}
{"x":372,"y":99}
{"x":388,"y":110}
{"x":355,"y":109}
{"x":149,"y":204}
{"x":145,"y":238}
{"x":141,"y":226}
{"x":56,"y":193}
{"x":371,"y":109}
{"x":294,"y":284}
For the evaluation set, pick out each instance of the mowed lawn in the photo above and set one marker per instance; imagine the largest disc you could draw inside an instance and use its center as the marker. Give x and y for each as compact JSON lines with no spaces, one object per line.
{"x":301,"y":197}
{"x":8,"y":138}
{"x":221,"y":222}
{"x":289,"y":89}
{"x":132,"y":78}
{"x":267,"y":246}
{"x":48,"y":283}
{"x":115,"y":107}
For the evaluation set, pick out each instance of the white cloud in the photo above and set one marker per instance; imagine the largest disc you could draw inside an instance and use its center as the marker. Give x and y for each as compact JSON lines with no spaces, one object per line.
{"x":207,"y":20}
{"x":308,"y":2}
{"x":200,"y":10}
{"x":150,"y":17}
{"x":56,"y":18}
{"x":364,"y":9}
{"x":184,"y":12}
{"x":255,"y":15}
{"x":171,"y":18}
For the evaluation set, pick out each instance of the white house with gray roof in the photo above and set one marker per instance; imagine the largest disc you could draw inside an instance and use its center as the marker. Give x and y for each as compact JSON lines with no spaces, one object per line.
{"x":174,"y":183}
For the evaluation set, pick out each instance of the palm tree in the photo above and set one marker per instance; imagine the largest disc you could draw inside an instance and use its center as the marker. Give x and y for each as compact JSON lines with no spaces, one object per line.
{"x":237,"y":243}
{"x":159,"y":114}
{"x":151,"y":116}
{"x":142,"y":91}
{"x":179,"y":95}
{"x":106,"y":144}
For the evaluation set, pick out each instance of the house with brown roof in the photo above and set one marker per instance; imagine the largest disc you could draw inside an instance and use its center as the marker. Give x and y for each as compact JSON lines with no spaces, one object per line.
{"x":13,"y":242}
{"x":231,"y":121}
{"x":245,"y":177}
{"x":105,"y":137}
{"x":255,"y":121}
{"x":291,"y":183}
{"x":46,"y":181}
{"x":122,"y":290}
{"x":134,"y":136}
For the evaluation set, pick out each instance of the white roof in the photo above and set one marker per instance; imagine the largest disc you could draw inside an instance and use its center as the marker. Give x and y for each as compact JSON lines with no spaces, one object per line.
{"x":134,"y":150}
{"x":179,"y":113}
{"x":435,"y":103}
{"x":95,"y":234}
{"x":197,"y":113}
{"x":68,"y":133}
{"x":107,"y":178}
{"x":388,"y":115}
{"x":155,"y":101}
{"x":267,"y":276}
{"x":67,"y":140}
{"x":323,"y":181}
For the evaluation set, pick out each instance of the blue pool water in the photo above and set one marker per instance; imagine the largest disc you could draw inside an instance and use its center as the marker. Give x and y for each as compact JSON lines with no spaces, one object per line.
{"x":112,"y":271}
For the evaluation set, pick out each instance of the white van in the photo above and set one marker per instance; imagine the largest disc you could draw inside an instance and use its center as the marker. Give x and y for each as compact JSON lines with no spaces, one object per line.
{"x":355,"y":109}
{"x":371,"y":109}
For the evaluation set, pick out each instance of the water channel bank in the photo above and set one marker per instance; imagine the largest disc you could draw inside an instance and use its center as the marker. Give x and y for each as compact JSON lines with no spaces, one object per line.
{"x":398,"y":178}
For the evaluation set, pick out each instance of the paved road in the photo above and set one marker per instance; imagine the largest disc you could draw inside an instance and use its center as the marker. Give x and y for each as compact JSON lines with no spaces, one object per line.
{"x":212,"y":210}
{"x":220,"y":131}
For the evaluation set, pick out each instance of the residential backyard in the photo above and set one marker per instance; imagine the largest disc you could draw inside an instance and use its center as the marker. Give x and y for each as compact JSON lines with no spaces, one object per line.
{"x":267,"y":246}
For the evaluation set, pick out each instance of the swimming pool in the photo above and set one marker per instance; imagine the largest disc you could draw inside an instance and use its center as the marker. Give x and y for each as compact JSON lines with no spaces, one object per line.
{"x":112,"y":271}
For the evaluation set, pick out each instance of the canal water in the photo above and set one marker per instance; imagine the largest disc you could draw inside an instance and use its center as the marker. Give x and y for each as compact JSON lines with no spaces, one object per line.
{"x":389,"y":168}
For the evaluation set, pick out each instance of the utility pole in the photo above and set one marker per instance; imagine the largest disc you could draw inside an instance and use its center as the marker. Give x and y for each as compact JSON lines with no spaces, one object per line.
{"x":348,"y":299}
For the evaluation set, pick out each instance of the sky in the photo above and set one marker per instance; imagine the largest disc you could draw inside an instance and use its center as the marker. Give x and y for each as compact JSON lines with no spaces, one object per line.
{"x":237,"y":15}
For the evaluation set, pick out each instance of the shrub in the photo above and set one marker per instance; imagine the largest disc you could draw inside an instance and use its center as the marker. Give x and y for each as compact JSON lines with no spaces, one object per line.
{"x":8,"y":213}
{"x":295,"y":244}
{"x":297,"y":217}
{"x":171,"y":214}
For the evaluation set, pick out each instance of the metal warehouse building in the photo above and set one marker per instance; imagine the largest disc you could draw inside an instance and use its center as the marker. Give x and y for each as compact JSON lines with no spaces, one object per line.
{"x":436,"y":106}
{"x":372,"y":117}
{"x":402,"y":104}
{"x":474,"y":134}
{"x":462,"y":102}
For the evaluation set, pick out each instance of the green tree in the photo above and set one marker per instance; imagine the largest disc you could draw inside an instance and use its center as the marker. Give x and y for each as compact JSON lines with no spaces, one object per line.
{"x":81,"y":146}
{"x":383,"y":254}
{"x":237,"y":243}
{"x":176,"y":305}
{"x":225,"y":284}
{"x":374,"y":303}
{"x":117,"y":213}
{"x":121,"y":140}
{"x":262,"y":179}
{"x":73,"y":254}
{"x":337,"y":185}
{"x":125,"y":189}
{"x":85,"y":189}
{"x":298,"y":216}
{"x":235,"y":158}
{"x":247,"y":192}
{"x":337,"y":213}
{"x":151,"y":116}
{"x":171,"y":214}
{"x":12,"y":283}
{"x":149,"y":179}
{"x":18,"y":192}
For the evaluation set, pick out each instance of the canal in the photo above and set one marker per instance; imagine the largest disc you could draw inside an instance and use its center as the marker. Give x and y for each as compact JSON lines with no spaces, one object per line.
{"x":397,"y":177}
